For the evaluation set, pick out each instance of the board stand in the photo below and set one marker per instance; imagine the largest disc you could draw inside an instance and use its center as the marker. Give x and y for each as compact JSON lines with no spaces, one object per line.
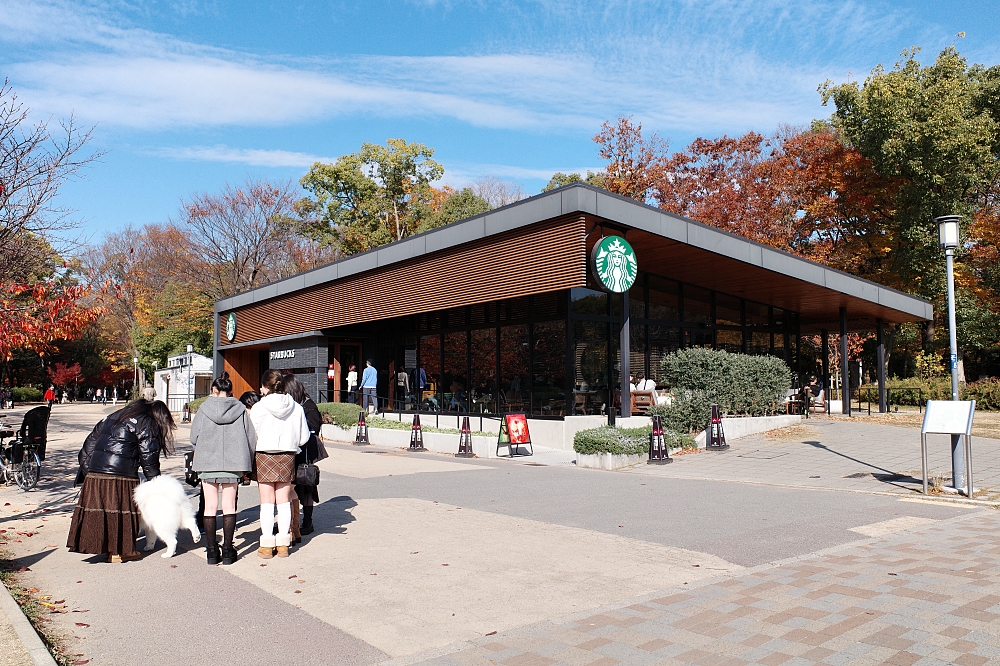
{"x":949,"y":417}
{"x":503,"y":439}
{"x":416,"y":435}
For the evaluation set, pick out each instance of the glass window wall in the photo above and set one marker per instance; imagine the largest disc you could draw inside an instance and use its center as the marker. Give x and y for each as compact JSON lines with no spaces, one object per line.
{"x":454,"y":383}
{"x":590,"y":352}
{"x":515,"y":382}
{"x":484,"y":370}
{"x":430,"y":364}
{"x":548,"y":392}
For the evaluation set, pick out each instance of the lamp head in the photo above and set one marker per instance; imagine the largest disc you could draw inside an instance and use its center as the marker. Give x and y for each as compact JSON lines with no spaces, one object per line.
{"x":190,"y":348}
{"x":948,"y":231}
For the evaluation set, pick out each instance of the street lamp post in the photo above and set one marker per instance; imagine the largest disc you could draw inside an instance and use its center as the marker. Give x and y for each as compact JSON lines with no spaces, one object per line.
{"x":190,"y":350}
{"x":135,"y":376}
{"x":948,"y":240}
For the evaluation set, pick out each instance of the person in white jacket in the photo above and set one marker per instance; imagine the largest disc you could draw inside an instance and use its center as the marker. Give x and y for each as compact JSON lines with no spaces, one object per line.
{"x":281,"y":431}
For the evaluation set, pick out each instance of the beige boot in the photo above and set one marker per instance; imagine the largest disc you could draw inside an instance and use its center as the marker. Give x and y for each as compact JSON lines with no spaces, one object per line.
{"x":282,"y":541}
{"x":266,"y":549}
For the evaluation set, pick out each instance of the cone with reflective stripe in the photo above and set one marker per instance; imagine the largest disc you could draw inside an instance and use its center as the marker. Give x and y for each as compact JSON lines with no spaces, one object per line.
{"x":416,"y":435}
{"x":362,"y":437}
{"x":716,"y":440}
{"x":659,"y":452}
{"x":465,"y":441}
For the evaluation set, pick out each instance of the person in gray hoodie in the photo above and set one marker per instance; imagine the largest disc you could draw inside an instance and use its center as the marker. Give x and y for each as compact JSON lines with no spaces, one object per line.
{"x":224,"y":442}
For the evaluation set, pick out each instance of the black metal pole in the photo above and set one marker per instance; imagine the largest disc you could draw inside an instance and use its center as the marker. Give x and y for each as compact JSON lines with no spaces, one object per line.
{"x":825,"y":345}
{"x":845,"y":368}
{"x":883,"y":403}
{"x":625,"y":344}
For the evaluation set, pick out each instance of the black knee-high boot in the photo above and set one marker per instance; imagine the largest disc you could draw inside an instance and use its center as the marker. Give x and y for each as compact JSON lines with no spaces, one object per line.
{"x":307,"y":519}
{"x":211,"y":540}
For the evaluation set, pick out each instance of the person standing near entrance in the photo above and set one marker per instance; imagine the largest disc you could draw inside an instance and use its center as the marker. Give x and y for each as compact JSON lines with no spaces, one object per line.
{"x":402,"y":388}
{"x":352,"y":384}
{"x":281,"y":432}
{"x":369,"y":382}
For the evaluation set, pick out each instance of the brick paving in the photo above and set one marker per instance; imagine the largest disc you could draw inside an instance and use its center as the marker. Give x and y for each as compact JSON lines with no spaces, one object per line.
{"x":837,"y":454}
{"x":928,"y":596}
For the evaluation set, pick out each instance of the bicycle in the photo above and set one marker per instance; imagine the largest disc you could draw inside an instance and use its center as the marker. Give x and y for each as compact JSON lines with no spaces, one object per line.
{"x":22,"y":452}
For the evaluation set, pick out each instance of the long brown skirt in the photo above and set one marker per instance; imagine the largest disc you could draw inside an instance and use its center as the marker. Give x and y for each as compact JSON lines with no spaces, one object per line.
{"x":106,"y":519}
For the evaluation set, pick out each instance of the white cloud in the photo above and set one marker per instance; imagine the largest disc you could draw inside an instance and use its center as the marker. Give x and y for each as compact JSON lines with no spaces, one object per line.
{"x":249,"y":156}
{"x":682,"y":65}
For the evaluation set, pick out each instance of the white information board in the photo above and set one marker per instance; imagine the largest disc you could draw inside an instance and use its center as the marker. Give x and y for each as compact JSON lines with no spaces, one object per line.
{"x":949,"y":417}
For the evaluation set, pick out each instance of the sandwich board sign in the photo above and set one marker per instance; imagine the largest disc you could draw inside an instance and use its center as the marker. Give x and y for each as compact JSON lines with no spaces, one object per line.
{"x":949,"y":417}
{"x":514,"y":434}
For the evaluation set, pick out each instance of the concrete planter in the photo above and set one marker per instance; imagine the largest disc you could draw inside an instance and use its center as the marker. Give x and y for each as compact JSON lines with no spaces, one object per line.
{"x":438,"y":442}
{"x":736,"y":427}
{"x":609,"y":461}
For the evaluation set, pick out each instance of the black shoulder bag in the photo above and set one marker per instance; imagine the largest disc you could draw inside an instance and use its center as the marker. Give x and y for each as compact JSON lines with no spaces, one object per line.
{"x":307,"y":474}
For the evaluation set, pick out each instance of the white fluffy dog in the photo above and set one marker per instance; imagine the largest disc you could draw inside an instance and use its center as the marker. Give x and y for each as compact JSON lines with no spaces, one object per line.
{"x":165,"y":509}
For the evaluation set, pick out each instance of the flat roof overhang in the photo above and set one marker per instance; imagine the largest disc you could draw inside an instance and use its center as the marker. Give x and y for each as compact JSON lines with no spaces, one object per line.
{"x":667,"y":245}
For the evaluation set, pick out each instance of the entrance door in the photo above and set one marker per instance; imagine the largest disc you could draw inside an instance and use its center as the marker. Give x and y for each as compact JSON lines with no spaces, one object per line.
{"x":345,"y":354}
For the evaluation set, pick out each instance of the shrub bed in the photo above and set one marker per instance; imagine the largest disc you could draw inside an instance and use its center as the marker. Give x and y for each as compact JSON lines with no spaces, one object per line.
{"x":26,"y":394}
{"x":624,"y":441}
{"x":738,"y":383}
{"x":343,"y":414}
{"x":195,"y":404}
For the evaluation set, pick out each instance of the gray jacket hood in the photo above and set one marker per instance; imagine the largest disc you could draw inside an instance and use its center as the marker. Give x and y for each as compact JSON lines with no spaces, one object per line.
{"x":222,"y":410}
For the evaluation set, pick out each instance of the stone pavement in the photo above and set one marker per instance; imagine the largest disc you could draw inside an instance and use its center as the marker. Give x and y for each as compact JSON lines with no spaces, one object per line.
{"x":422,"y":555}
{"x":837,"y":454}
{"x":930,"y":596}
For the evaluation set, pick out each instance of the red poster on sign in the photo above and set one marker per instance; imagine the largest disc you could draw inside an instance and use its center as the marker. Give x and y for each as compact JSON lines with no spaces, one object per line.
{"x":517,"y":428}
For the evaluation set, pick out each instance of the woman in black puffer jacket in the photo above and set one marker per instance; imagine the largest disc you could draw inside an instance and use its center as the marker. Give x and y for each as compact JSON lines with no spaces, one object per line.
{"x":106,"y":519}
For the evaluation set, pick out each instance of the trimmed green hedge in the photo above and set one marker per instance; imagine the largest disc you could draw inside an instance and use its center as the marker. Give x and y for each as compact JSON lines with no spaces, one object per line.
{"x":986,"y":393}
{"x":738,"y":383}
{"x":343,"y":414}
{"x":195,"y":404}
{"x":624,"y":441}
{"x":27,"y":394}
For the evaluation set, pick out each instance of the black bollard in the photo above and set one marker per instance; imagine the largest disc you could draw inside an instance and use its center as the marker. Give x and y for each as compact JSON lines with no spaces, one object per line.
{"x":416,"y":435}
{"x":716,"y":437}
{"x":362,"y":437}
{"x":465,"y":441}
{"x":659,"y":452}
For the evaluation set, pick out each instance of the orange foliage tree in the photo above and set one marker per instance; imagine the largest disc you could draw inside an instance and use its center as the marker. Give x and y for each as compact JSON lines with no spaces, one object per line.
{"x":37,"y":316}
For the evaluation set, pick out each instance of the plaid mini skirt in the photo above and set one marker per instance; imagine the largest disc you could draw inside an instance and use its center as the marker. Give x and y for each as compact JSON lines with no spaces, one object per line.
{"x":274,"y":467}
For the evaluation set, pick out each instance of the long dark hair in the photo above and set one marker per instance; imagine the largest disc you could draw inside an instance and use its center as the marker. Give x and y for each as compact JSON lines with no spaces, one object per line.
{"x":160,"y":415}
{"x":296,"y":389}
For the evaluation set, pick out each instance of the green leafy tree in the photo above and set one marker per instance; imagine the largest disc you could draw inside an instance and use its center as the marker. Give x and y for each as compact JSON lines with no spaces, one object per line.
{"x":934,"y":130}
{"x":560,"y":179}
{"x":457,"y":206}
{"x":375,"y":196}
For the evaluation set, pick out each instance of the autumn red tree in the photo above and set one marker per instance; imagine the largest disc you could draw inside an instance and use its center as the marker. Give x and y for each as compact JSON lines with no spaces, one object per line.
{"x":63,"y":374}
{"x":37,"y":316}
{"x":635,"y":162}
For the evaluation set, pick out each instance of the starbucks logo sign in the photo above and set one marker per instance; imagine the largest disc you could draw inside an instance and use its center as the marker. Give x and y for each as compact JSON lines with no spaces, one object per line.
{"x":231,"y":326}
{"x":613,"y":264}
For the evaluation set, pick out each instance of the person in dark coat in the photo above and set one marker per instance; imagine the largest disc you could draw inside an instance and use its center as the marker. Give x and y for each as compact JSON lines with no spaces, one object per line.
{"x":307,"y":496}
{"x":106,"y":519}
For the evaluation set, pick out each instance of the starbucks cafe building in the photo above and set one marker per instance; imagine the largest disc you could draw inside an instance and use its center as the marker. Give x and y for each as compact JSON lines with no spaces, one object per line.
{"x":541,"y":307}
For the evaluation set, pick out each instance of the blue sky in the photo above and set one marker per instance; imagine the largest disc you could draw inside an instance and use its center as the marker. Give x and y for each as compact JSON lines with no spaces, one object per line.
{"x":188,"y":95}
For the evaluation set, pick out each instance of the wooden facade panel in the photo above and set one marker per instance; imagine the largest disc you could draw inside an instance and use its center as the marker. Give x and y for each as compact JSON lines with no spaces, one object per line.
{"x":243,"y":366}
{"x":546,"y":257}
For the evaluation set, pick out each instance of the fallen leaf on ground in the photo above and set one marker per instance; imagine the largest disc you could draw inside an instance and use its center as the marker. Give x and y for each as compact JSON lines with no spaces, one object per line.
{"x":79,"y":581}
{"x":173,"y":566}
{"x":52,"y":545}
{"x":492,"y":633}
{"x":32,"y":590}
{"x":298,"y":591}
{"x":23,"y":569}
{"x":293,"y":576}
{"x":59,"y":601}
{"x":80,"y":662}
{"x":300,"y":581}
{"x":81,"y":610}
{"x":82,"y":624}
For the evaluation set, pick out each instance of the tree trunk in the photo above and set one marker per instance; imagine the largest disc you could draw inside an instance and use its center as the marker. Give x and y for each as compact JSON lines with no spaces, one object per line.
{"x":395,"y":211}
{"x":928,"y":335}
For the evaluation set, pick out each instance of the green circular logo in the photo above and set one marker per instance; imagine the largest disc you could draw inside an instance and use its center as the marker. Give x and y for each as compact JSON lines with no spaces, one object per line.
{"x":231,"y":326}
{"x":613,"y":264}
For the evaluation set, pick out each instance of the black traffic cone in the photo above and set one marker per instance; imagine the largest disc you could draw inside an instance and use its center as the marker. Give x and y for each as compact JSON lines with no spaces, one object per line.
{"x":659,"y":452}
{"x":465,"y":441}
{"x":362,"y":437}
{"x":416,"y":435}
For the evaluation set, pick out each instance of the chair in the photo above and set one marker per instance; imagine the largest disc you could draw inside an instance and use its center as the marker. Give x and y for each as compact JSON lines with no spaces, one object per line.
{"x":819,"y":402}
{"x":580,"y":400}
{"x":642,"y":401}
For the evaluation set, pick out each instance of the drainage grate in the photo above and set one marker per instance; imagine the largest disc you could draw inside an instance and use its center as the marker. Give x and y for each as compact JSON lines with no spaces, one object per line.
{"x":857,"y":475}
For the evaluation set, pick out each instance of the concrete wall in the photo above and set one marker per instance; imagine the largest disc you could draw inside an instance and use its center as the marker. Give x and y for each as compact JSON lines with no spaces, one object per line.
{"x":311,"y":353}
{"x":737,"y":427}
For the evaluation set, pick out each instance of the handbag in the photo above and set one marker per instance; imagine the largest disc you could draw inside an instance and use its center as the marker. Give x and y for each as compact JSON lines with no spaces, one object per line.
{"x":190,"y":476}
{"x":307,"y":474}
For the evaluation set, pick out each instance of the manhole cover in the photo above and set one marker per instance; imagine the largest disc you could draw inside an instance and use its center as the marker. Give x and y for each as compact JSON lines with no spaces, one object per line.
{"x":763,"y":455}
{"x":857,"y":475}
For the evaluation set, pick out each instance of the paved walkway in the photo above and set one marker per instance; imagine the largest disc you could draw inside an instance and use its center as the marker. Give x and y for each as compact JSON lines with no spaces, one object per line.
{"x":837,"y":454}
{"x":420,"y":556}
{"x":930,"y":596}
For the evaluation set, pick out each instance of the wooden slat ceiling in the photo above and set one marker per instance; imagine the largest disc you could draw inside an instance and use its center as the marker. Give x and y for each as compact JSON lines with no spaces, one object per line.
{"x":818,"y":306}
